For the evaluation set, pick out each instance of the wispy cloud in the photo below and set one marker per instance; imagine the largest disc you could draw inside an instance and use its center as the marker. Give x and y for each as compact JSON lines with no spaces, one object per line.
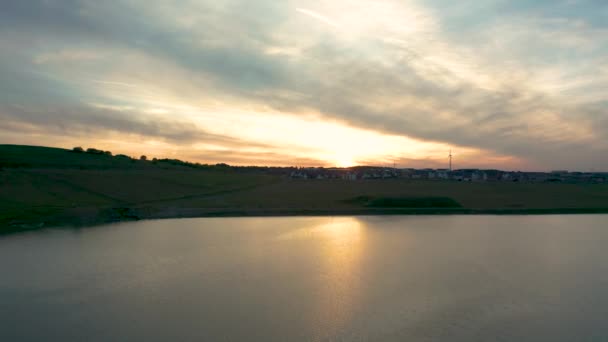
{"x":318,"y":17}
{"x":518,"y":83}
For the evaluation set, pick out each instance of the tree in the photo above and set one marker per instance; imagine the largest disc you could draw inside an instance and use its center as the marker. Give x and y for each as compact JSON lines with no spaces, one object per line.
{"x":143,"y":158}
{"x":78,"y":149}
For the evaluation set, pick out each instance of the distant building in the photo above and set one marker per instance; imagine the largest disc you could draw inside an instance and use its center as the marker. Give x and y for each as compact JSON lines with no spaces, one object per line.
{"x":443,"y":174}
{"x":479,"y":176}
{"x":347,"y":176}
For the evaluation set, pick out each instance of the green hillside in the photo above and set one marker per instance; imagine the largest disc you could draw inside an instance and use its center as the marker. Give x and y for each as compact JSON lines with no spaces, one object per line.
{"x":52,"y":185}
{"x":12,"y":156}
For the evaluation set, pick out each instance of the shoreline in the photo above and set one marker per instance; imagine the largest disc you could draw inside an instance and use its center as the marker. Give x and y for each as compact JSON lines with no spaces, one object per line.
{"x":89,"y":217}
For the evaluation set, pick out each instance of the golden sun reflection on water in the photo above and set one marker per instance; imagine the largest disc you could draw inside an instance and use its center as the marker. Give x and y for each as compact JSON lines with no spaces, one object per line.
{"x":341,"y":244}
{"x":343,"y":248}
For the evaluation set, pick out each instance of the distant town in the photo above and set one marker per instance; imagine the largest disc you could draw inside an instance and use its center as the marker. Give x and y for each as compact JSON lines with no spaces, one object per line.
{"x":461,"y":175}
{"x":361,"y":173}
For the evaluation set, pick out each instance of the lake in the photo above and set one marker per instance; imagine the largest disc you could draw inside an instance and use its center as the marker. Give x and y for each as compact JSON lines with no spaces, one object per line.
{"x":389,"y":278}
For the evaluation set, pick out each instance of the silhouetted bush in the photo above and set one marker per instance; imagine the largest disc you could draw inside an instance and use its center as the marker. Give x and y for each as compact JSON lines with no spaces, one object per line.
{"x":100,"y":152}
{"x":78,"y":149}
{"x":176,"y":162}
{"x":94,"y":151}
{"x":144,"y":158}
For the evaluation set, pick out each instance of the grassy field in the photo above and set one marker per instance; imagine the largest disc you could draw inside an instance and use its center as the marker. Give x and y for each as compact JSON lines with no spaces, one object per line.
{"x":52,"y":187}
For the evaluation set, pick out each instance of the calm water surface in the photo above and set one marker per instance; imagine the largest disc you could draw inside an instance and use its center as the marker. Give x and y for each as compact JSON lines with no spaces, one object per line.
{"x":457,"y":278}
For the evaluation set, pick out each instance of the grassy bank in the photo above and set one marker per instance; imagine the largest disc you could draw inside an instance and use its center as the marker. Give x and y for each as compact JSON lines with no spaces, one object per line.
{"x":54,"y":187}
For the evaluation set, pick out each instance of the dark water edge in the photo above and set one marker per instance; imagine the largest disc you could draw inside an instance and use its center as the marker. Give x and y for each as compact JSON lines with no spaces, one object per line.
{"x":90,"y":217}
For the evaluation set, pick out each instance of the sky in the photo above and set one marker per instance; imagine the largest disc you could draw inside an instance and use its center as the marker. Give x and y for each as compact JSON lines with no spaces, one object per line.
{"x":507,"y":84}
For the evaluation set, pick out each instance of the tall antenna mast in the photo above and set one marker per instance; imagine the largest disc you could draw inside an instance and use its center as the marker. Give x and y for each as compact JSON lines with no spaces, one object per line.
{"x":450,"y":160}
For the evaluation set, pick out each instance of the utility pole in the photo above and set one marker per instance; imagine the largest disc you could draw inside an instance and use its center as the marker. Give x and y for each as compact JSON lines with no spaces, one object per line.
{"x":450,"y":160}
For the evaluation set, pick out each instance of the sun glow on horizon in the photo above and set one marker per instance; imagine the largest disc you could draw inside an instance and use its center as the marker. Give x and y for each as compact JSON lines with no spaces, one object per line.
{"x":344,"y":161}
{"x":307,"y":136}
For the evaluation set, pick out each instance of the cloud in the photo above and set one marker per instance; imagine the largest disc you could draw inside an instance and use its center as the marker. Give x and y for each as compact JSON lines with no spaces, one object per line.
{"x":94,"y":121}
{"x":521,"y":81}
